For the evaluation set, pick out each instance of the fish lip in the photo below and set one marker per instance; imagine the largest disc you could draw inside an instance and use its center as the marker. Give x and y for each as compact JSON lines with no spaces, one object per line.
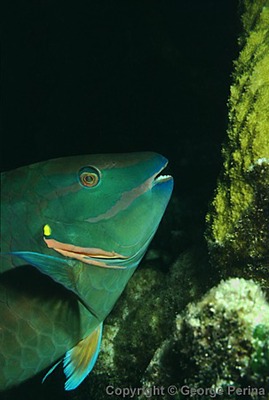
{"x":158,"y":179}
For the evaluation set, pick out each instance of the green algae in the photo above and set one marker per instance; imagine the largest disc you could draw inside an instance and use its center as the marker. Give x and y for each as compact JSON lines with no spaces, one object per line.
{"x":219,"y":342}
{"x":238,"y":222}
{"x":222,"y":340}
{"x":260,"y":359}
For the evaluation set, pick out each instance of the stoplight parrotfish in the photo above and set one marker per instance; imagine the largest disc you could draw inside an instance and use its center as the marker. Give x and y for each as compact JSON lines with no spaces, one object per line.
{"x":73,"y":231}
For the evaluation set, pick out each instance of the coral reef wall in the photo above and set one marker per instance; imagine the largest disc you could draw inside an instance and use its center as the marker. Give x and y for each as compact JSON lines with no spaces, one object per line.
{"x":238,"y":222}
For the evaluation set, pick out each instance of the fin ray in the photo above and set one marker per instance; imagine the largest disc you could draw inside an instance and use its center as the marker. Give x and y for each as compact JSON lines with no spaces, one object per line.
{"x":50,"y":371}
{"x":80,"y":360}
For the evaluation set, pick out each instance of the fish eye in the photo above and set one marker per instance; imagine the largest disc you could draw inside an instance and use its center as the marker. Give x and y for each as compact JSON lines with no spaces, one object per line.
{"x":89,"y":176}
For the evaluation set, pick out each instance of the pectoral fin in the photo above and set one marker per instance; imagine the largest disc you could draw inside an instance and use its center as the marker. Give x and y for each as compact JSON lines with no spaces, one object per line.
{"x":80,"y":360}
{"x":60,"y":270}
{"x":57,"y":268}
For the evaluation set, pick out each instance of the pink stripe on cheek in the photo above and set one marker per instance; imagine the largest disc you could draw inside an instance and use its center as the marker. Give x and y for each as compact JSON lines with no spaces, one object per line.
{"x":83,"y":251}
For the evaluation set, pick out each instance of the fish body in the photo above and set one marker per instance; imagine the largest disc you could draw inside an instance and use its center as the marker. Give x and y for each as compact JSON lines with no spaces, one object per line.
{"x":73,"y":231}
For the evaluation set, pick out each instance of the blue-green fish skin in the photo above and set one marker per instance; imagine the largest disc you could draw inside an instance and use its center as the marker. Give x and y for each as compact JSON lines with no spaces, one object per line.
{"x":84,"y":222}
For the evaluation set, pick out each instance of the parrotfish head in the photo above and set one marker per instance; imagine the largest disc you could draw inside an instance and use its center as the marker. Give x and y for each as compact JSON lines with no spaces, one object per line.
{"x":102,"y":209}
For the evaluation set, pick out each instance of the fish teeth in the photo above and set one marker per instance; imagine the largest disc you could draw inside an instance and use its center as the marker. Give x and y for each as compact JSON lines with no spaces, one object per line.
{"x":162,"y":178}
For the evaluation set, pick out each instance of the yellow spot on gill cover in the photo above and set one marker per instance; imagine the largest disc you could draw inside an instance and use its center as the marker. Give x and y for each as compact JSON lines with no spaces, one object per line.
{"x":47,"y":230}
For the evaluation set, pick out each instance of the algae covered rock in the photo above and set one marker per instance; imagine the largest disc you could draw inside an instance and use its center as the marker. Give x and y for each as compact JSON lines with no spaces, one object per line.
{"x":220,"y":343}
{"x":238,"y":223}
{"x":143,"y":319}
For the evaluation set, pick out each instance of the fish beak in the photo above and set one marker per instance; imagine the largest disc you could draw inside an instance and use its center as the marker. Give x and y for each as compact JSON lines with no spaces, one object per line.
{"x":157,"y":178}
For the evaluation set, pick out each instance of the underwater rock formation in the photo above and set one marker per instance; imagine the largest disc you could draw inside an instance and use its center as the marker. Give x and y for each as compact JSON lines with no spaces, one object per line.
{"x":219,"y":343}
{"x":238,"y":223}
{"x":144,"y":318}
